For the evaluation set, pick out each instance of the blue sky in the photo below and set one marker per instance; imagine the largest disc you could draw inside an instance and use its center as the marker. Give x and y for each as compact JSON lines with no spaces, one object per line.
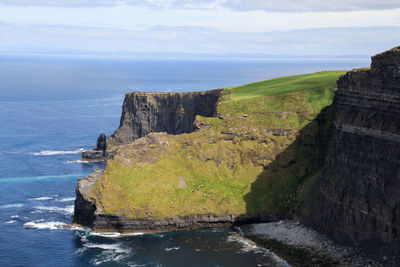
{"x":222,"y":27}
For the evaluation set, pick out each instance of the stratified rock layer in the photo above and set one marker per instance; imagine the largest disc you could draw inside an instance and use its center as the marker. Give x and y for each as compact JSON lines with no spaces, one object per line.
{"x":357,"y":196}
{"x":173,"y":113}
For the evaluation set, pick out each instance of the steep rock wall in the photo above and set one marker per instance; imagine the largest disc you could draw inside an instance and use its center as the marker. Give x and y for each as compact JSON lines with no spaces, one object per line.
{"x":356,"y":199}
{"x":174,"y":113}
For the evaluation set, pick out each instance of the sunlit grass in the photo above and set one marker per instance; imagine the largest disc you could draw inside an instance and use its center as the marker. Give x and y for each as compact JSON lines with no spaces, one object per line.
{"x":216,"y":169}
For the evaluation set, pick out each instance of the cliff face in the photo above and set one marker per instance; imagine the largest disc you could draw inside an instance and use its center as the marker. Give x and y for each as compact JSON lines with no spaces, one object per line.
{"x":356,"y":199}
{"x":244,"y":166}
{"x":174,"y":113}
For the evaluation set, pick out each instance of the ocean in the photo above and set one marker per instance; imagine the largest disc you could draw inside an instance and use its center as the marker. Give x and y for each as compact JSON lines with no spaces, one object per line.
{"x":52,"y":108}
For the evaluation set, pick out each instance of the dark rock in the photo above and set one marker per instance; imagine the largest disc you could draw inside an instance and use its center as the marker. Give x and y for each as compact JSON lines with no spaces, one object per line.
{"x":101,"y":143}
{"x":100,"y":152}
{"x":92,"y":155}
{"x":174,"y":113}
{"x":357,"y":196}
{"x":85,"y":207}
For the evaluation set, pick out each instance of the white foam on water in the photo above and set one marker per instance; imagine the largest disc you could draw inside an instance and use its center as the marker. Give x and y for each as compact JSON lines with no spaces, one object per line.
{"x":110,"y":253}
{"x":45,"y":225}
{"x":14,"y":216}
{"x":248,"y":245}
{"x":10,"y":222}
{"x":114,"y":234}
{"x":66,"y":199}
{"x":9,"y":206}
{"x":114,"y":247}
{"x":80,"y":161}
{"x":65,"y":210}
{"x":58,"y":152}
{"x":106,"y":234}
{"x":41,"y":198}
{"x":107,"y":256}
{"x":173,"y":248}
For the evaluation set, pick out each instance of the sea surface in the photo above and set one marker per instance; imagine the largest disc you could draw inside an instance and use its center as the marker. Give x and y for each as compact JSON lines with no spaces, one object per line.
{"x":52,"y":108}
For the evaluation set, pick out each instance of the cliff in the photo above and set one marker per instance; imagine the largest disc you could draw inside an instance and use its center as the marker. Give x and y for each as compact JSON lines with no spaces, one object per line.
{"x":173,"y":113}
{"x":356,"y":199}
{"x":245,"y":165}
{"x":277,"y":149}
{"x":144,"y":113}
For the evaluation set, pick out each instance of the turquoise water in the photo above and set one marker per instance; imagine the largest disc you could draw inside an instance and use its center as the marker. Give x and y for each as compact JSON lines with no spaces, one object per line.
{"x":53,"y":108}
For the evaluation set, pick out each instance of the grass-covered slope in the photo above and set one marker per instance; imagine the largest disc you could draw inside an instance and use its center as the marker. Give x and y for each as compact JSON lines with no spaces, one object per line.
{"x":254,"y":159}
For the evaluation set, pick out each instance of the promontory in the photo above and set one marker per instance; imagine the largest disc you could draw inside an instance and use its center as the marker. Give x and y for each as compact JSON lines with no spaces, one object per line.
{"x":321,"y":147}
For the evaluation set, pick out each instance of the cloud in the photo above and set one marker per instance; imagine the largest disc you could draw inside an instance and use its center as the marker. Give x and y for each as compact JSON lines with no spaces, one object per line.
{"x":18,"y":38}
{"x":311,"y":5}
{"x":237,"y":5}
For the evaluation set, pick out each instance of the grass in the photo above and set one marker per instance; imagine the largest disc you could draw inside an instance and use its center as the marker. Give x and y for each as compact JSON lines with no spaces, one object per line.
{"x":235,"y":165}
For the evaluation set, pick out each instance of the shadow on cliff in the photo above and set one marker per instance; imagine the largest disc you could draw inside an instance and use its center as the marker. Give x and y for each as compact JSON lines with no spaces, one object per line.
{"x":280,"y":190}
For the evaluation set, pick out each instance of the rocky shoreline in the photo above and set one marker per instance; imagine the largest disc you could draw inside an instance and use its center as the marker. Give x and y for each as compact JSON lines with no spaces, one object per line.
{"x":302,"y":246}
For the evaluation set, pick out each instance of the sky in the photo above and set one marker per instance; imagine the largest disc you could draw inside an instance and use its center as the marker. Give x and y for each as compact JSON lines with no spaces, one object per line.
{"x":255,"y":28}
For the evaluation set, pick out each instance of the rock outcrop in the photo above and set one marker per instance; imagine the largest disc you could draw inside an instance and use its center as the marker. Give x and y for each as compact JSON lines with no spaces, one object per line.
{"x":356,"y":199}
{"x":173,"y":113}
{"x":85,"y":207}
{"x":99,"y":152}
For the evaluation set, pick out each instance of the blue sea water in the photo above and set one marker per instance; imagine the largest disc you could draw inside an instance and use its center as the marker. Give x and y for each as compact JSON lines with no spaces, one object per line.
{"x":51,"y":108}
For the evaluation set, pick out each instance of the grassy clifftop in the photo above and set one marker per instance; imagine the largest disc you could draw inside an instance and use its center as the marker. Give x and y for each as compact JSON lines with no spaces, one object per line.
{"x":254,"y":159}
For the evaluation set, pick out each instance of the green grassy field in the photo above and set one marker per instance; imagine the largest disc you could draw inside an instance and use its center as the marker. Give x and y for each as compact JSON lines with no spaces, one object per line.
{"x":241,"y":164}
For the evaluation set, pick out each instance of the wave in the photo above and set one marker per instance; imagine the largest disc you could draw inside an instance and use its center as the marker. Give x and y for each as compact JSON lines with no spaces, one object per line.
{"x":9,"y":206}
{"x":173,"y":248}
{"x":65,"y":210}
{"x":10,"y":222}
{"x":66,"y":199}
{"x":248,"y":245}
{"x":80,"y":161}
{"x":85,"y":161}
{"x":58,"y":152}
{"x":114,"y":234}
{"x":114,"y":247}
{"x":40,"y":198}
{"x":33,"y":178}
{"x":14,"y":216}
{"x":45,"y":225}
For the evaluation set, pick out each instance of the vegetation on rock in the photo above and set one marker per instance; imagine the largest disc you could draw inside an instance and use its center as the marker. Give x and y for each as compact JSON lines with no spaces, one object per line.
{"x":256,"y":157}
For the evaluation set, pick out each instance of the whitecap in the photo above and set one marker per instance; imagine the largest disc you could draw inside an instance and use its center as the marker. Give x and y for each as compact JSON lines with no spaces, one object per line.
{"x":66,"y":210}
{"x":80,"y":161}
{"x":114,"y":247}
{"x":9,"y":206}
{"x":173,"y":248}
{"x":14,"y":216}
{"x":106,"y":234}
{"x":114,"y":234}
{"x":248,"y":245}
{"x":40,"y":198}
{"x":66,"y":199}
{"x":45,"y":225}
{"x":108,"y":256}
{"x":10,"y":222}
{"x":58,"y":152}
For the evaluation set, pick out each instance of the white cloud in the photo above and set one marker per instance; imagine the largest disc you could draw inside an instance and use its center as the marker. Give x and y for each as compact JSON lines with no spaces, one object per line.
{"x":238,"y":5}
{"x":329,"y":41}
{"x":210,"y":26}
{"x":128,"y":17}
